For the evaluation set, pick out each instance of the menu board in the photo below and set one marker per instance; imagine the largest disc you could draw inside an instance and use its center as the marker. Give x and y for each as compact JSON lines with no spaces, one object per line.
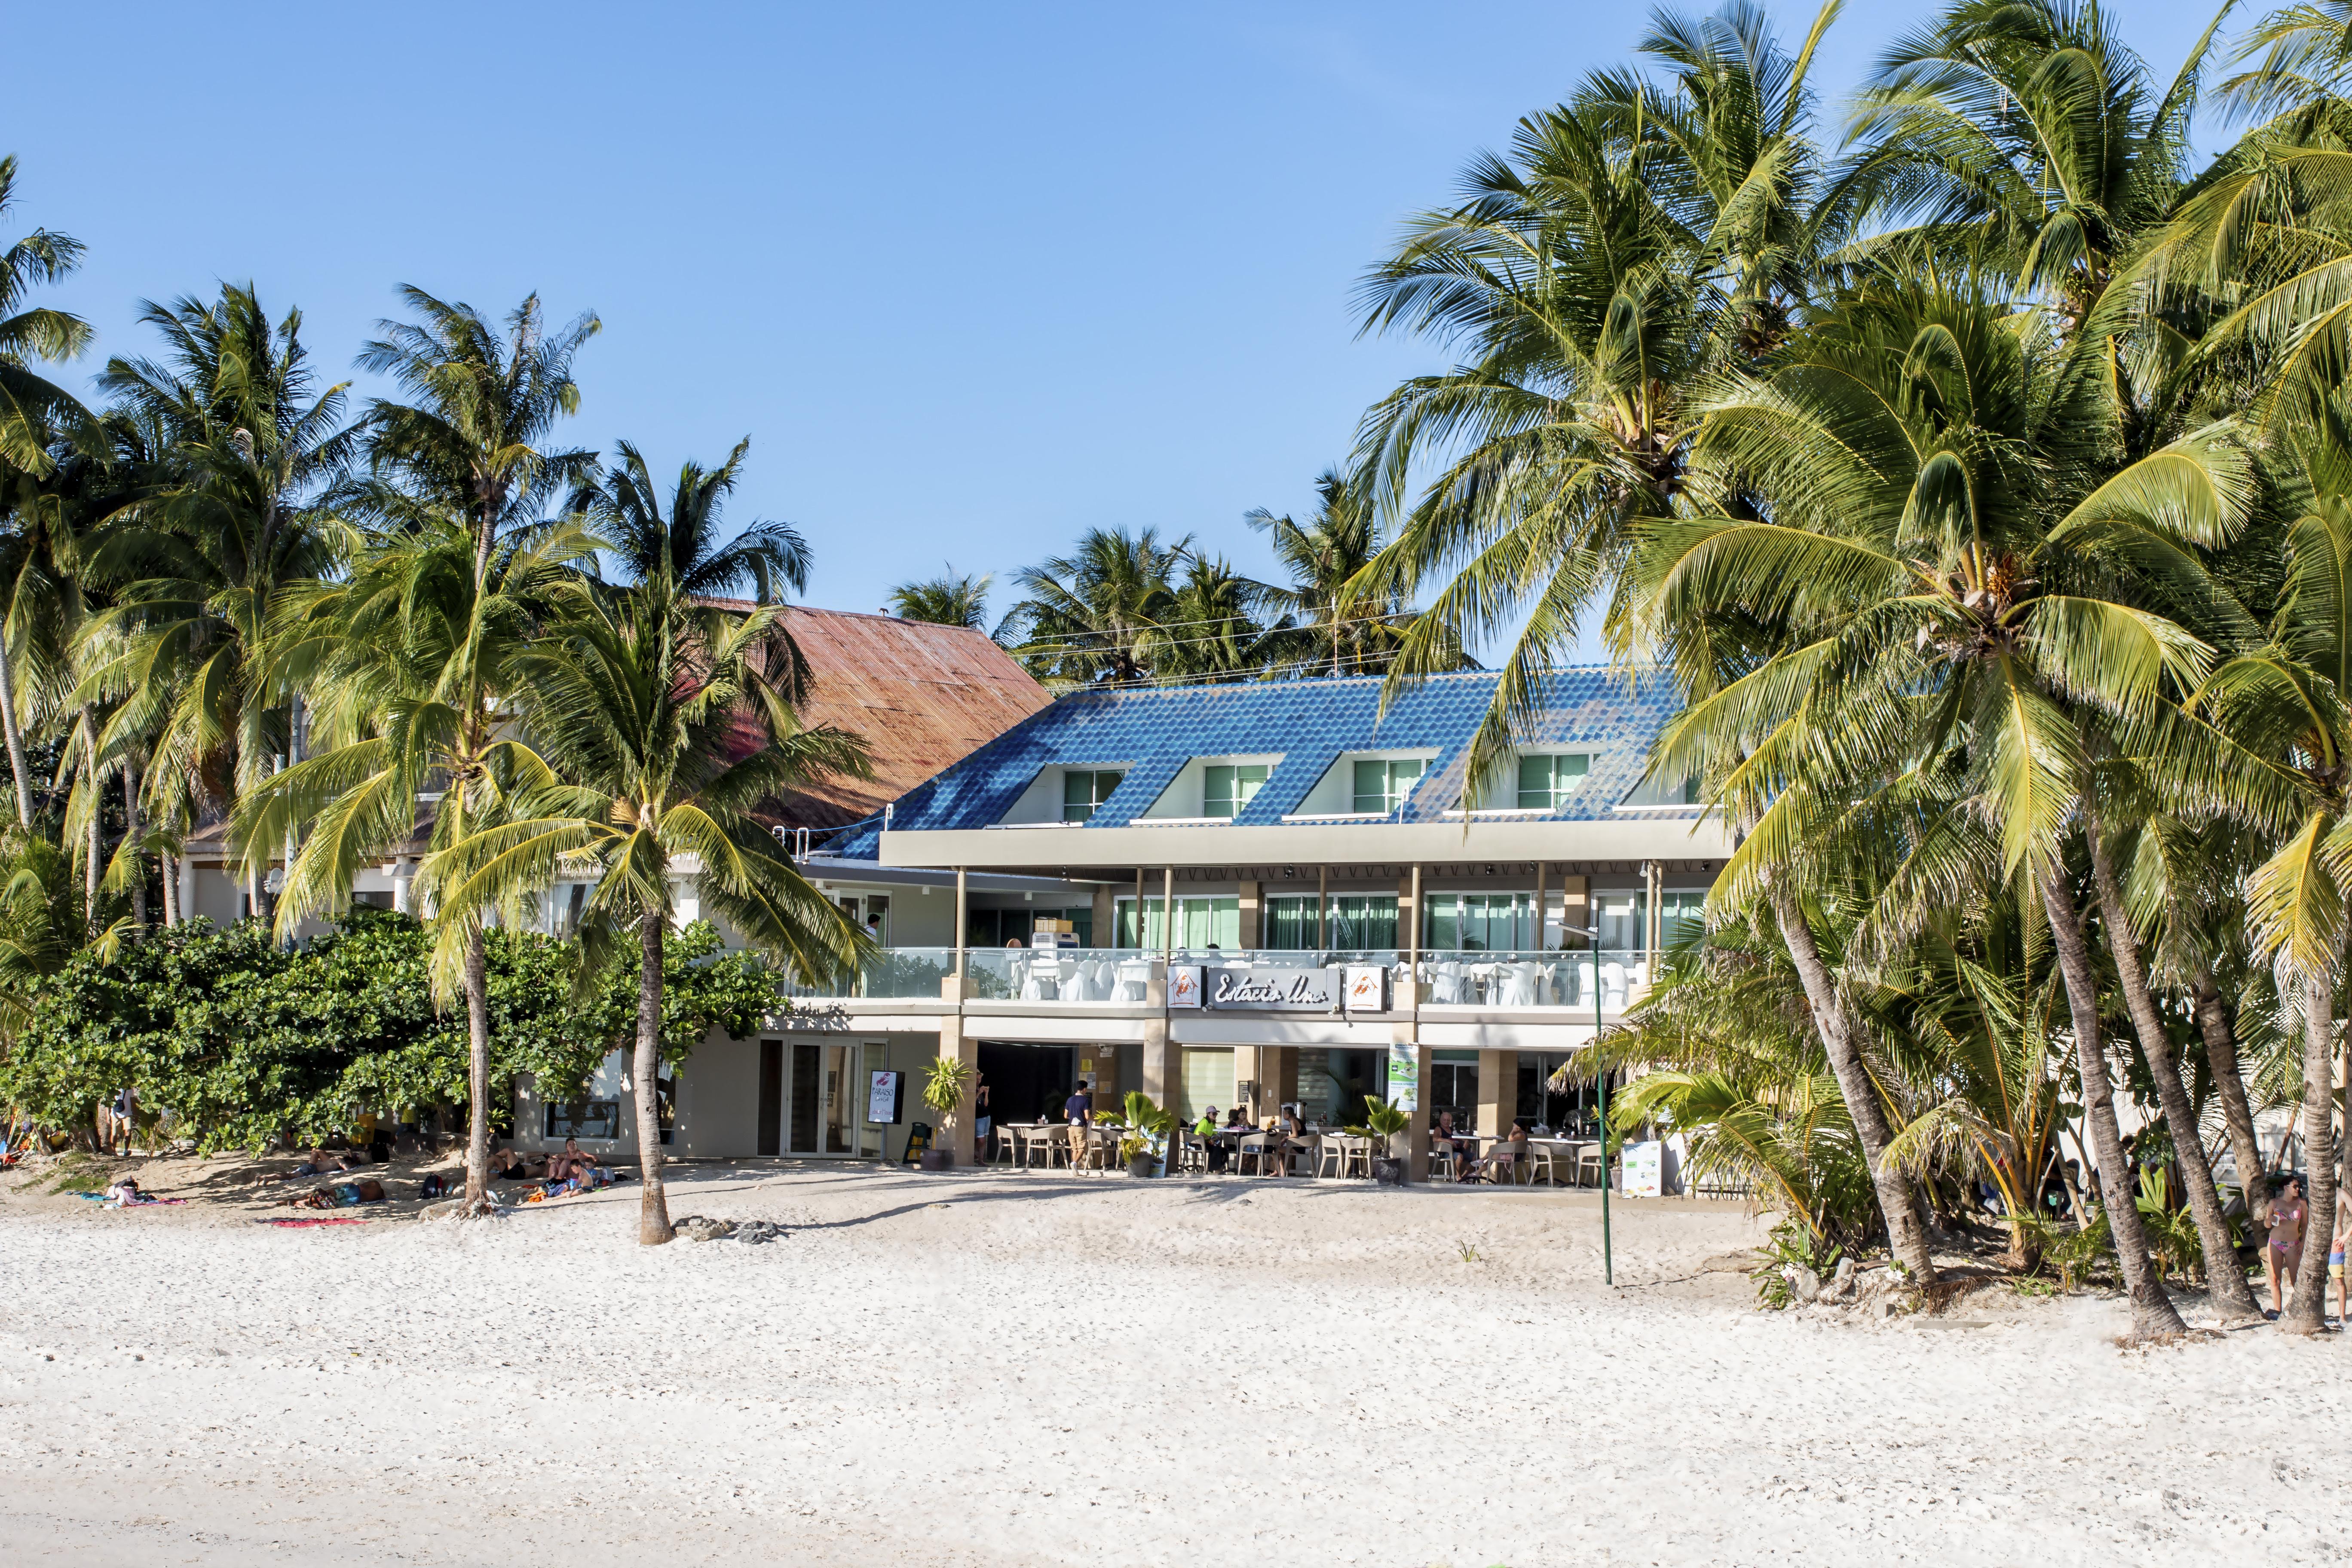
{"x":1645,"y":1168}
{"x":883,"y":1098}
{"x":1405,"y":1075}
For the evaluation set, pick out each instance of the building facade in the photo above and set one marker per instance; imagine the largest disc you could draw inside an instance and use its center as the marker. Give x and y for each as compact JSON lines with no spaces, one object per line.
{"x":1264,"y":894}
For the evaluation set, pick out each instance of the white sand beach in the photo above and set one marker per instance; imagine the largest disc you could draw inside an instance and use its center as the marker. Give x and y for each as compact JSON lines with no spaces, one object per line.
{"x":994,"y":1369}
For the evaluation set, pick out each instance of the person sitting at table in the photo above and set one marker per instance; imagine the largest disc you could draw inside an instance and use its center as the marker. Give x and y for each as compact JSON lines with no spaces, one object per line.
{"x":1498,"y":1161}
{"x":1286,"y":1133}
{"x":1214,"y":1148}
{"x":1445,"y":1140}
{"x":1237,"y":1119}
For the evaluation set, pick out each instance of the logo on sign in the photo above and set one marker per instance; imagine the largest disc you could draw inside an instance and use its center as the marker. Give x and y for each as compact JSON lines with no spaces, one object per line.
{"x":1184,"y":985}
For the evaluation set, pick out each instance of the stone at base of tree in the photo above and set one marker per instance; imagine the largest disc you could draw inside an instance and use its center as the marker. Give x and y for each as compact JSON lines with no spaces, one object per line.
{"x":1804,"y":1285}
{"x":694,"y":1228}
{"x":936,"y":1160}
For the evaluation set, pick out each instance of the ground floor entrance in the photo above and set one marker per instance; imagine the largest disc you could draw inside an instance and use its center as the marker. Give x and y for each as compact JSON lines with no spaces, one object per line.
{"x":1027,"y":1083}
{"x":811,"y":1099}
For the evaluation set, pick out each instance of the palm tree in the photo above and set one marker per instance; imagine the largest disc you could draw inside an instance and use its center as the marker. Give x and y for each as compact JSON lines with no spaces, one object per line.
{"x":472,"y":438}
{"x":414,"y":662}
{"x":2290,"y":700}
{"x":624,"y":504}
{"x":1209,"y":633}
{"x":2024,"y":135}
{"x":36,"y":415}
{"x":227,"y":447}
{"x":1638,"y":238}
{"x":1097,"y":614}
{"x":950,"y":599}
{"x":1928,"y":631}
{"x":1321,"y":557}
{"x":638,"y":704}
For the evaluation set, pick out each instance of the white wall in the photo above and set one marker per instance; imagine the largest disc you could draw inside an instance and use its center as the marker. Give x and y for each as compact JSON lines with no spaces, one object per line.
{"x":1336,"y":790}
{"x":1185,"y":796}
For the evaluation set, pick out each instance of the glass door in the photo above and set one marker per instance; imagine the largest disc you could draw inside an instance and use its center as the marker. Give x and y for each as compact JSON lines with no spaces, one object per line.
{"x":841,"y":1109}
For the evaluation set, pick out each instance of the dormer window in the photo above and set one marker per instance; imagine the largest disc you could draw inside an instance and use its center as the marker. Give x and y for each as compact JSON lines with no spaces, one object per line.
{"x":1547,"y":781}
{"x":1083,"y":793}
{"x":1383,"y":784}
{"x":1227,"y":788}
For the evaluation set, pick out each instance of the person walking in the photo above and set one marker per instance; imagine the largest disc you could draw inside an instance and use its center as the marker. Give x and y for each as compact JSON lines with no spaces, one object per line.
{"x":2285,"y":1249}
{"x":1080,"y":1108}
{"x":2336,"y":1247}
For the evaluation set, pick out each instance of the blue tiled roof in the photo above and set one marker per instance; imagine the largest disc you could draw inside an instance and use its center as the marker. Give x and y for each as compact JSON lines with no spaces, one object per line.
{"x":1151,"y":734}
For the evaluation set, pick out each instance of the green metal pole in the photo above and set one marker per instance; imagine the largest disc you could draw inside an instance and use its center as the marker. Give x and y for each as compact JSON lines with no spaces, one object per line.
{"x":1608,"y":1259}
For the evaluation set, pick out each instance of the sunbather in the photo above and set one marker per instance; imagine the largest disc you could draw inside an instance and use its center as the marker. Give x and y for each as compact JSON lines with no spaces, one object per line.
{"x":568,"y":1163}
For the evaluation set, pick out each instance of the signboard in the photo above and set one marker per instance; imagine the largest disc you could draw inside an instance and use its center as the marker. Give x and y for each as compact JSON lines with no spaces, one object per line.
{"x":886,"y":1097}
{"x":1644,"y":1167}
{"x":1368,"y":988}
{"x":918,"y":1140}
{"x":1242,"y":988}
{"x":1184,"y":985}
{"x":1405,"y":1075}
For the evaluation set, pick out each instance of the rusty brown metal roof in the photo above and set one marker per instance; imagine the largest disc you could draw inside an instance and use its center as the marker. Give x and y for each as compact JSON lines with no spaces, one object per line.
{"x":923,"y":696}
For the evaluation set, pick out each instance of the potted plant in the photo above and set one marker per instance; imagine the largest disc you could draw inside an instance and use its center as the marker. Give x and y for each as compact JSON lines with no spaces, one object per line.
{"x":1147,"y":1125}
{"x":1390,"y":1122}
{"x":943,"y":1092}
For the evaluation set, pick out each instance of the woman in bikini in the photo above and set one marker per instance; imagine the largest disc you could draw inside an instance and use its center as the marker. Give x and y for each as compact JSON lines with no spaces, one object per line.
{"x":2285,"y":1249}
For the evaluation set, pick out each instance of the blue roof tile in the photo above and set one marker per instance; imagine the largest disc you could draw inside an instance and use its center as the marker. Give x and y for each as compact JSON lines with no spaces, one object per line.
{"x":1151,"y":733}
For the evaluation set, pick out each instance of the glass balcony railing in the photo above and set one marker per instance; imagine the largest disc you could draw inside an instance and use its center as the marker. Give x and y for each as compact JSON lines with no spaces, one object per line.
{"x":893,"y":972}
{"x":1109,"y":975}
{"x":1120,"y":976}
{"x":1532,"y":979}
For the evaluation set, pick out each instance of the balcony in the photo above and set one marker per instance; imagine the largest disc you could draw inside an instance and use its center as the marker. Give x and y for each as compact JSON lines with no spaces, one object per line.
{"x":1120,"y":977}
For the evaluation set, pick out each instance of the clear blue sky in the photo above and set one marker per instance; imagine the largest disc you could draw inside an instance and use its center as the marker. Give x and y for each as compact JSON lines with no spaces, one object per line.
{"x":972,"y":277}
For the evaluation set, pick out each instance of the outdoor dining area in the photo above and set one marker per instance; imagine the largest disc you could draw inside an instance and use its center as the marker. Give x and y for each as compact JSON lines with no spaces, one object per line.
{"x":1321,"y":1152}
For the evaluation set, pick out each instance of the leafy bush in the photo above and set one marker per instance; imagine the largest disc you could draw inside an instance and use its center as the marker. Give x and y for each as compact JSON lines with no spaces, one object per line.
{"x":242,"y":1040}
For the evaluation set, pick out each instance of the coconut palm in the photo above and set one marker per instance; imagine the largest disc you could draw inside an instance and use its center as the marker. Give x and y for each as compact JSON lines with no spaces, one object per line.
{"x":1210,"y":633}
{"x":414,"y":662}
{"x":2291,"y":699}
{"x":1636,"y":240}
{"x":2024,"y":135}
{"x":473,"y":439}
{"x":36,"y":416}
{"x":229,"y":445}
{"x":1321,"y":557}
{"x":638,"y":703}
{"x":1097,"y":613}
{"x":1936,"y":623}
{"x":624,"y":503}
{"x":950,"y":599}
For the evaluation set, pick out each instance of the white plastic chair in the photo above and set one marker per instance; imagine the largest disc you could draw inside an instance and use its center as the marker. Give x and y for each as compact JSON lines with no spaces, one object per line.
{"x":1519,"y":989}
{"x":1447,"y":986}
{"x":1612,"y":986}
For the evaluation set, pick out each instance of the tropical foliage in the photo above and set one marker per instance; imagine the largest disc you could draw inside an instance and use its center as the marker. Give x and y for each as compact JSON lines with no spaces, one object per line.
{"x":1975,"y":482}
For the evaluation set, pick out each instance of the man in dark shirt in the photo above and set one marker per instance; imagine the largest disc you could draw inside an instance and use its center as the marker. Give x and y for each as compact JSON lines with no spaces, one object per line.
{"x":1080,"y":1109}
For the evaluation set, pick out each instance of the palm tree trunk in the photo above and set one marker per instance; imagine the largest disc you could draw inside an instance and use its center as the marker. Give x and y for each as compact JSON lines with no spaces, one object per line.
{"x":16,"y":769}
{"x":2225,"y":1276}
{"x":477,"y":1073}
{"x":653,"y":1205}
{"x":2222,"y":1055}
{"x":90,"y":870}
{"x":2152,"y":1310}
{"x":170,"y":869}
{"x":130,"y":841}
{"x":1905,"y":1236}
{"x":2304,"y":1311}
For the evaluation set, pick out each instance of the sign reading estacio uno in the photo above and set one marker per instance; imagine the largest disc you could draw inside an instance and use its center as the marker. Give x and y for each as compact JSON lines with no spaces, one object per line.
{"x":1296,"y":990}
{"x":1241,"y":988}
